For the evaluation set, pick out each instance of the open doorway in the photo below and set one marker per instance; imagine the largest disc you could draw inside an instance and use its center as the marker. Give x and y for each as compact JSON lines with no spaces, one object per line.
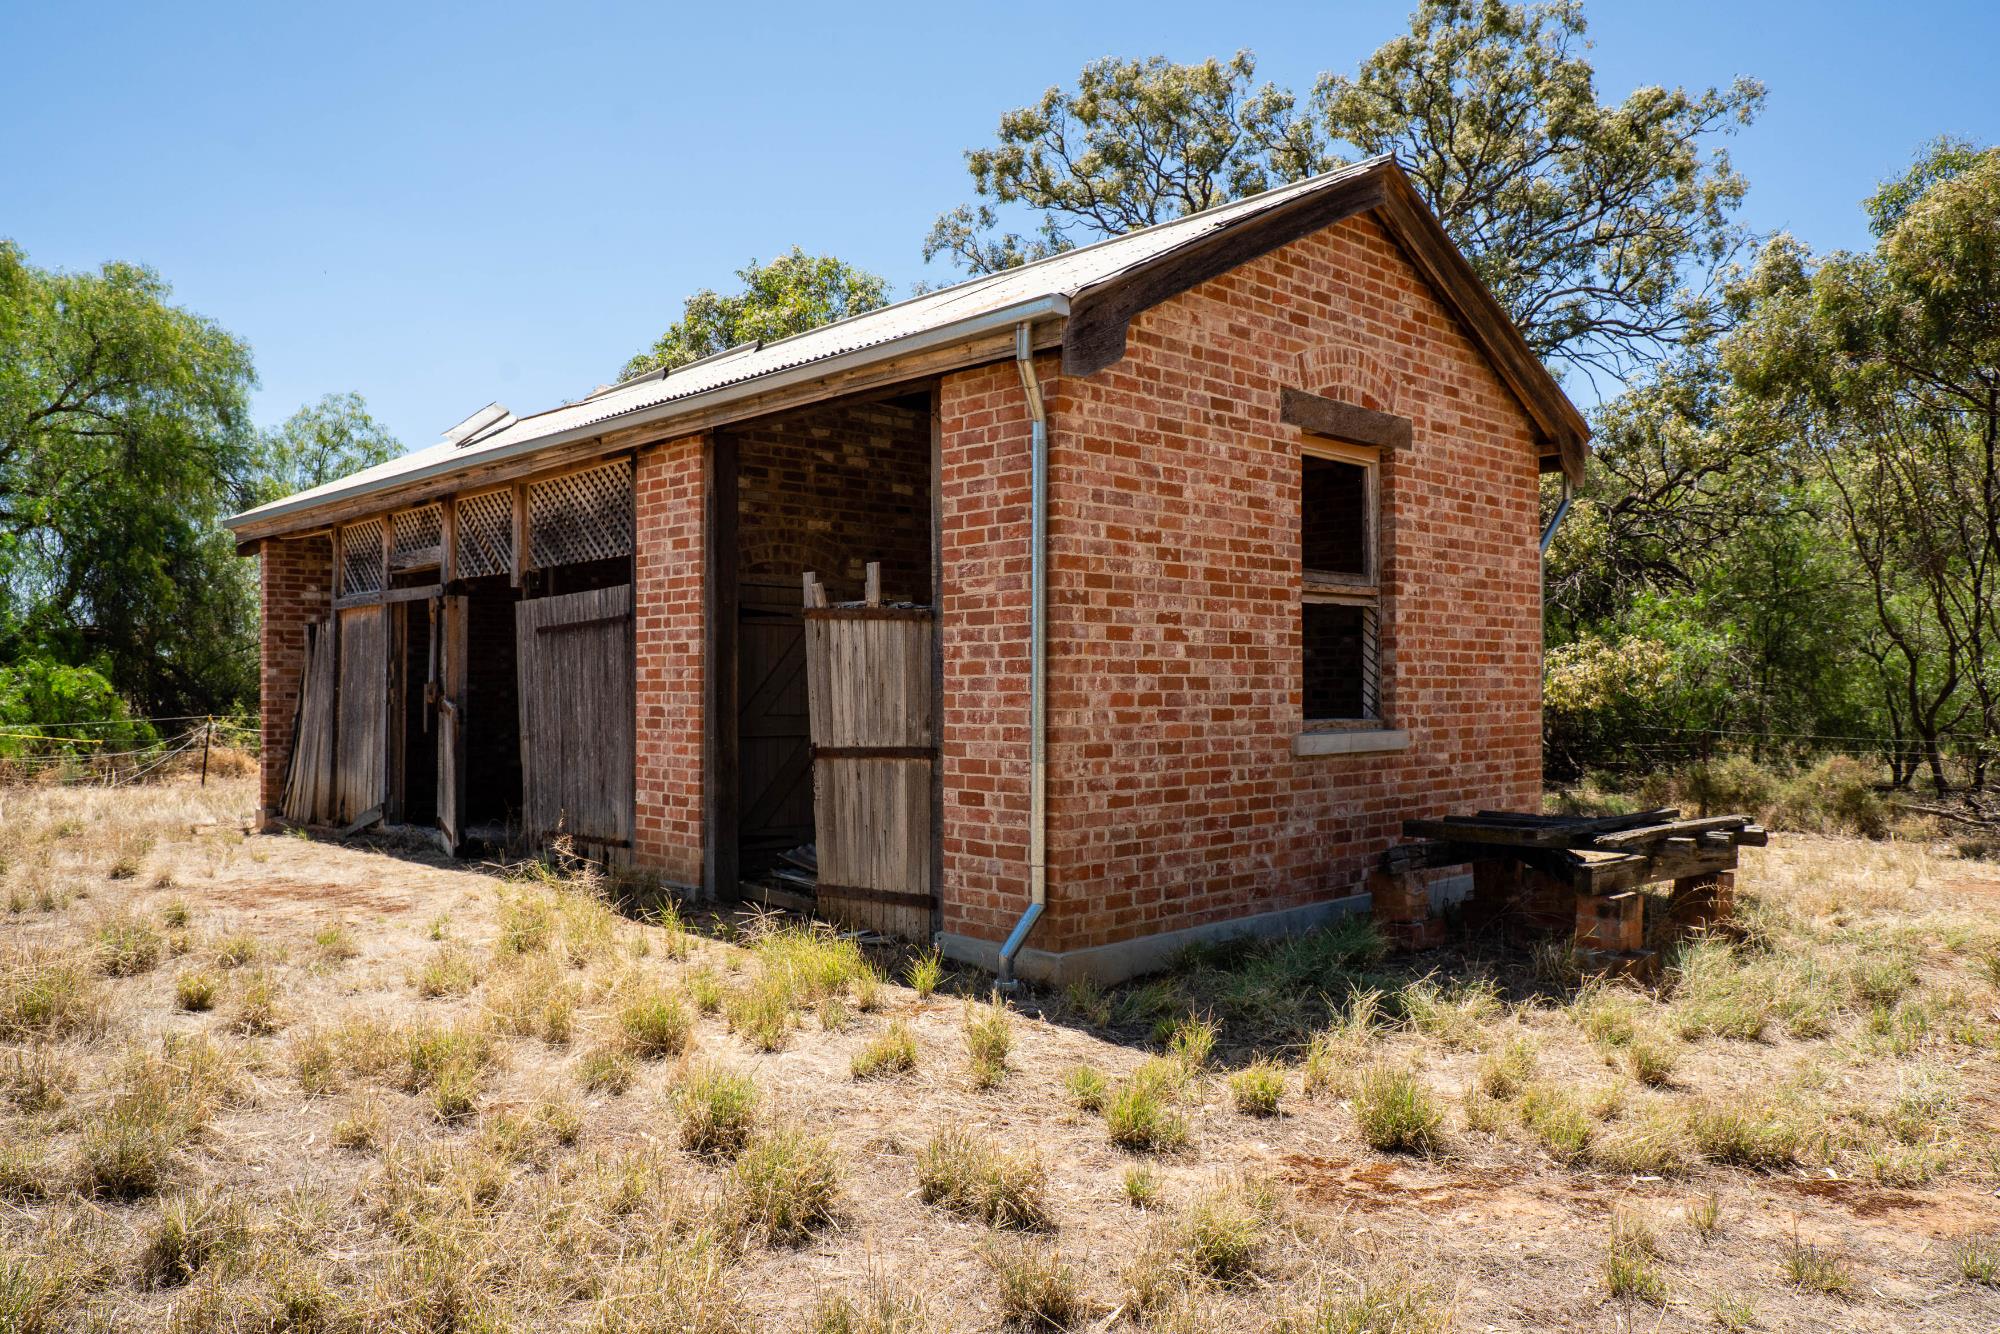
{"x":825,"y":489}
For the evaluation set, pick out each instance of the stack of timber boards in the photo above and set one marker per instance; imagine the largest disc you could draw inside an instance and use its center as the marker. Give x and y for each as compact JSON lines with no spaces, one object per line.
{"x":1594,"y":854}
{"x":874,"y":735}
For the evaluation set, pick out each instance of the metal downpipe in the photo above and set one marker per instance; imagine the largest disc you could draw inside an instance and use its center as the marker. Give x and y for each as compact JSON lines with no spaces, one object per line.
{"x":1038,"y":640}
{"x":1555,"y":520}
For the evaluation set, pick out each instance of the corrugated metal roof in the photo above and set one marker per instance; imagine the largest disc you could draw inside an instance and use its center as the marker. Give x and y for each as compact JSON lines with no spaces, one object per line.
{"x":1057,"y":277}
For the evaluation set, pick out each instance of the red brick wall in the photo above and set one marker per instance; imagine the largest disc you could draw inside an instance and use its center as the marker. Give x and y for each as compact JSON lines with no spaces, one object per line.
{"x":1175,"y":662}
{"x":829,"y":489}
{"x":295,"y":587}
{"x":983,"y":487}
{"x":667,"y":605}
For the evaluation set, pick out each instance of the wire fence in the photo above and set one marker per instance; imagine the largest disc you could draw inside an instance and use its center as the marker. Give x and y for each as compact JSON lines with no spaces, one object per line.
{"x":65,"y":754}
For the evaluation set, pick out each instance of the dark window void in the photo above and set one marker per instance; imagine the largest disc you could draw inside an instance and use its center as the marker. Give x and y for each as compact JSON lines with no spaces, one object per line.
{"x":1334,"y":526}
{"x":1337,"y":660}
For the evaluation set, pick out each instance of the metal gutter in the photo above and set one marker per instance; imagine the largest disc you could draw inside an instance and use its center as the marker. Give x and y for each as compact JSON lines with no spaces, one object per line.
{"x":1054,"y":305}
{"x":1038,"y":648}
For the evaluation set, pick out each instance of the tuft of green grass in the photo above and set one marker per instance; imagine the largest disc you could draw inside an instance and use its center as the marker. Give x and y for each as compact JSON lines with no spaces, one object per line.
{"x":1458,"y":1016}
{"x":606,"y":1070}
{"x":195,"y":990}
{"x":35,"y":1293}
{"x":654,"y":1023}
{"x":29,"y":1171}
{"x":682,"y":1288}
{"x":884,"y":1307}
{"x":1631,"y":1268}
{"x":447,"y":1063}
{"x":334,"y":944}
{"x":361,"y":1129}
{"x":1396,"y":1111}
{"x":1386,"y":1304}
{"x":192,"y":1232}
{"x":1336,"y":1050}
{"x":44,"y":994}
{"x":924,"y":973}
{"x":989,"y":1036}
{"x":1744,"y":1134}
{"x":893,"y":1051}
{"x":1733,"y":1312}
{"x":763,"y":1013}
{"x":1977,"y":1259}
{"x":1222,"y":1232}
{"x":258,"y":1009}
{"x":239,"y":949}
{"x":1651,"y":1058}
{"x":963,"y":1173}
{"x":1258,"y":1088}
{"x":1558,"y":1120}
{"x":717,"y":1111}
{"x":126,"y":945}
{"x":1038,"y":1289}
{"x":785,"y":1185}
{"x":1190,"y":1044}
{"x":1141,"y":1185}
{"x":1811,"y":1269}
{"x":1704,"y":1216}
{"x":1140,"y":1115}
{"x":449,"y":972}
{"x":1504,"y":1072}
{"x":37,"y":1078}
{"x":1087,"y":1087}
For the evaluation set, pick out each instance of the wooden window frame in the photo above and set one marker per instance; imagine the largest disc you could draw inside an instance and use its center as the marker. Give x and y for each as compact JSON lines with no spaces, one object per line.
{"x":1329,"y":587}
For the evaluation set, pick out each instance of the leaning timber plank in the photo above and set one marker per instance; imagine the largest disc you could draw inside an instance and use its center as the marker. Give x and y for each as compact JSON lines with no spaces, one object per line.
{"x":1654,"y":833}
{"x":372,"y":816}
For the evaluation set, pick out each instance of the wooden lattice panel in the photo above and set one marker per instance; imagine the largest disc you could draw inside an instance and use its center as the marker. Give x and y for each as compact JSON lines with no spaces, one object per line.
{"x":361,"y":558}
{"x":486,"y":534}
{"x":417,"y":539}
{"x":581,"y":516}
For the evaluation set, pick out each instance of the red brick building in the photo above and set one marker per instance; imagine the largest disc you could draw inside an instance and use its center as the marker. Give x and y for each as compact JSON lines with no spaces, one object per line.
{"x":1260,"y":484}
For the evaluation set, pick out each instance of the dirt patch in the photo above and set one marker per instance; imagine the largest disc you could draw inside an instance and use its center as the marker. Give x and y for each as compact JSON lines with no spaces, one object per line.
{"x":1378,"y":1186}
{"x":323,"y":895}
{"x":1949,"y":1212}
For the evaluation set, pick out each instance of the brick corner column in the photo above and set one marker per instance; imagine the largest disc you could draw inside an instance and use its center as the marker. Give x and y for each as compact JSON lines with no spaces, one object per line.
{"x":295,"y":588}
{"x":668,"y":623}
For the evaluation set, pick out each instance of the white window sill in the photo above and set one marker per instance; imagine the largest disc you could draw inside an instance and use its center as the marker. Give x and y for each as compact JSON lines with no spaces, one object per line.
{"x":1335,"y":741}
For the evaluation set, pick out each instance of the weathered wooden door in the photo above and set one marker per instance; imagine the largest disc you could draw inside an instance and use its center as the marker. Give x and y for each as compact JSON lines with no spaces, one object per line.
{"x":575,"y":663}
{"x":773,"y":732}
{"x":362,"y":733}
{"x":454,"y":614}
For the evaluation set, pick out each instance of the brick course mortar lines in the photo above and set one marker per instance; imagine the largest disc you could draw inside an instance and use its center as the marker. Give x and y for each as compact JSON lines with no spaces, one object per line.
{"x":669,"y":493}
{"x":1175,"y":669}
{"x":295,"y":586}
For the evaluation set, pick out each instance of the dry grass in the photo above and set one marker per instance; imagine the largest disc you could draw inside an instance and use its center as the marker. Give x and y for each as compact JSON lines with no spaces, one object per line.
{"x":264,"y":1083}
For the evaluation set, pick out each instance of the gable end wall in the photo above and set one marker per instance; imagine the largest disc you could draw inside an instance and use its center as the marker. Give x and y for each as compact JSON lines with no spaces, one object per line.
{"x":1175,"y":671}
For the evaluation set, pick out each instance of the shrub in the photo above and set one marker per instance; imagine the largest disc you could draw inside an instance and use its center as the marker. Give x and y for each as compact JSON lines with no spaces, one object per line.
{"x":1038,"y":1289}
{"x":1087,"y":1087}
{"x":654,"y":1023}
{"x":785,"y":1184}
{"x":893,"y":1051}
{"x":1396,"y":1111}
{"x":717,"y":1109}
{"x":964,"y":1174}
{"x":194,"y":990}
{"x":1257,"y":1088}
{"x":989,"y":1036}
{"x":1835,"y":796}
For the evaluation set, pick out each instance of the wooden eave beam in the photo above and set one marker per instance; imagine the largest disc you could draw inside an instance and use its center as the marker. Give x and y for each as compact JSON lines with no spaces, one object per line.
{"x":1100,"y":315}
{"x":1565,"y":435}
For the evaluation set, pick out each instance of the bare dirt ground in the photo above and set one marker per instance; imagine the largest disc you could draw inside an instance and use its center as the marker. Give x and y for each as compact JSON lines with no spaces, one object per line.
{"x":261,"y":1082}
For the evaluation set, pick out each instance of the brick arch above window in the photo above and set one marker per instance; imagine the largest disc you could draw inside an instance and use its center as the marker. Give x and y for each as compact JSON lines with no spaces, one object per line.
{"x":1351,"y":373}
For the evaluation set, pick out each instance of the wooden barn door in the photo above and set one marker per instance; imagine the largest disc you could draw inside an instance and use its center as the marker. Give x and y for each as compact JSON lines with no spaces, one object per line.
{"x":773,"y":733}
{"x":575,"y":662}
{"x":454,"y":616}
{"x":362,"y":732}
{"x":309,"y":783}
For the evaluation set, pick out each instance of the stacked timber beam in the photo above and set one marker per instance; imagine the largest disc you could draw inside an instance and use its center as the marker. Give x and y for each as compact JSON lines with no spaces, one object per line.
{"x":1557,"y":870}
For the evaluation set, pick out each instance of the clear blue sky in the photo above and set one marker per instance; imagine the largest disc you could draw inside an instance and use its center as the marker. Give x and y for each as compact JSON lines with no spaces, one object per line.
{"x":442,"y":206}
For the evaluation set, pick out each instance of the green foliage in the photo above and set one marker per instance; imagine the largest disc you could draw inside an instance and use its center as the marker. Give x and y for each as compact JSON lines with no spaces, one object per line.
{"x":42,"y":700}
{"x":792,"y":294}
{"x":321,"y":442}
